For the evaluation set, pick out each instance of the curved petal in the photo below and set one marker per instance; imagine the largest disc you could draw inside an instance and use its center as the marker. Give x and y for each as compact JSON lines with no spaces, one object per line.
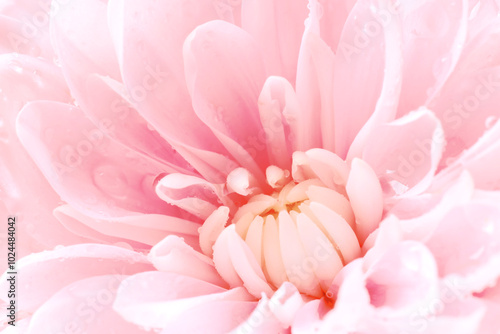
{"x":24,"y":192}
{"x":146,"y":229}
{"x":439,"y":28}
{"x":108,"y":105}
{"x":359,"y":69}
{"x":81,"y":37}
{"x":315,"y":87}
{"x":365,"y":194}
{"x":25,"y":28}
{"x":275,"y":314}
{"x":85,"y":305}
{"x":480,"y":161}
{"x":154,"y":77}
{"x":173,"y":255}
{"x":211,"y":318}
{"x":333,"y":19}
{"x":158,"y":299}
{"x":405,"y":276}
{"x":467,"y":103}
{"x":386,"y":105}
{"x":191,"y":193}
{"x":228,"y":105}
{"x":279,"y":114}
{"x":278,"y":32}
{"x":246,"y":265}
{"x":71,"y":264}
{"x":96,"y":175}
{"x":476,"y":262}
{"x":406,"y":166}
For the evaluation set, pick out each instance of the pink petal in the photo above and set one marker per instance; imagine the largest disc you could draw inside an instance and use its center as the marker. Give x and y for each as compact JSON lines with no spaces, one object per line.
{"x":173,"y":255}
{"x":315,"y":88}
{"x":98,"y":176}
{"x":212,"y":228}
{"x":386,"y":106}
{"x":440,"y":29}
{"x":85,"y":305}
{"x":191,"y":193}
{"x":278,"y":32}
{"x":477,"y":261}
{"x":24,"y":192}
{"x":328,"y":264}
{"x":387,"y":235}
{"x":352,"y":306}
{"x":405,"y":276}
{"x":359,"y":72}
{"x":25,"y":28}
{"x":275,"y":314}
{"x":481,"y":15}
{"x":492,"y":298}
{"x":406,"y":166}
{"x":211,"y":318}
{"x":279,"y":110}
{"x":107,"y":106}
{"x":338,"y":230}
{"x":154,"y":77}
{"x":467,"y":103}
{"x":147,"y":229}
{"x":365,"y":195}
{"x":83,"y":43}
{"x":294,"y":258}
{"x":308,"y":319}
{"x":240,"y":264}
{"x":335,"y":13}
{"x":480,"y":160}
{"x":328,"y":167}
{"x":458,"y":192}
{"x":246,"y":265}
{"x":228,"y":105}
{"x":157,"y":299}
{"x":71,"y":264}
{"x":82,"y":59}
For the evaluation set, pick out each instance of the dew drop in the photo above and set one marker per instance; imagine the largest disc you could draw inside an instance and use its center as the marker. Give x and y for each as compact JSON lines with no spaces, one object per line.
{"x":491,"y":121}
{"x":477,"y":254}
{"x":474,"y":11}
{"x":150,"y":127}
{"x":111,"y":181}
{"x":16,"y":66}
{"x":122,"y":244}
{"x":57,"y":61}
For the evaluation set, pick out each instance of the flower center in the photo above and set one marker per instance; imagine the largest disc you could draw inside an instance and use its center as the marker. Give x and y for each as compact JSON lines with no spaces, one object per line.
{"x":304,"y":232}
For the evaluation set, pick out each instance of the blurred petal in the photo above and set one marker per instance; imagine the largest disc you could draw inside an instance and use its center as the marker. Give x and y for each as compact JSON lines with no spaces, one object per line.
{"x":85,"y":305}
{"x":71,"y":264}
{"x":158,"y":299}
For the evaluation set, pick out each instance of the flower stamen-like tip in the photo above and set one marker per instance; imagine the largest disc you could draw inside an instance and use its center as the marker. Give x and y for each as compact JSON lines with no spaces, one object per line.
{"x":303,"y":232}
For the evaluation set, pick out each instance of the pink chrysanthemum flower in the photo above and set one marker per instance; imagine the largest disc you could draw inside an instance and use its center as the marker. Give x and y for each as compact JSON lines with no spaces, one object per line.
{"x":251,"y":166}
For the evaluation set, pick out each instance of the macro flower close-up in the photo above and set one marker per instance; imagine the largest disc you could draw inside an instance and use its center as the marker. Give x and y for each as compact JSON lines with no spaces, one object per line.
{"x":250,"y":166}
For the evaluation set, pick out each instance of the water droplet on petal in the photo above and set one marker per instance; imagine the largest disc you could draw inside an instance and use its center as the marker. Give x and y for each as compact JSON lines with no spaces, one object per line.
{"x":16,"y":66}
{"x":491,"y":121}
{"x":111,"y":181}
